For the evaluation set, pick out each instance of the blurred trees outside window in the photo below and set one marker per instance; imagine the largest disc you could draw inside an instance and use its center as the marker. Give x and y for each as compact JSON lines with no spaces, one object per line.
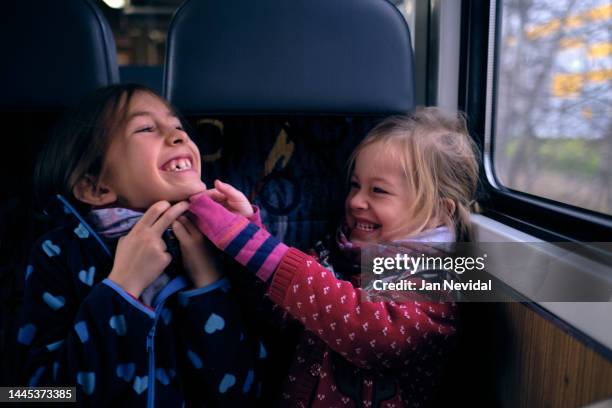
{"x":553,"y":127}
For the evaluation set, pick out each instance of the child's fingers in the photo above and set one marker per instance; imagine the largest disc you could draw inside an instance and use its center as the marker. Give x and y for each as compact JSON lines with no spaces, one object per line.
{"x":188,"y":225}
{"x":180,"y":231}
{"x":209,"y":191}
{"x":216,"y":195}
{"x":230,"y":191}
{"x":168,"y":217}
{"x":152,"y":215}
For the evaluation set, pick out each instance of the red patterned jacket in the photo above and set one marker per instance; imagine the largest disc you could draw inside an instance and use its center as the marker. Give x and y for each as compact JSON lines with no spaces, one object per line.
{"x":356,"y":353}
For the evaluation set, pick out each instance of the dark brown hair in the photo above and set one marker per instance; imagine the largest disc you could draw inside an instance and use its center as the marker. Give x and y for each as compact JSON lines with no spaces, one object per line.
{"x":78,"y":144}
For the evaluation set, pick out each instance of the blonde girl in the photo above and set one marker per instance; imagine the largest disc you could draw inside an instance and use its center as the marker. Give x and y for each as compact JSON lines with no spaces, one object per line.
{"x":412,"y":180}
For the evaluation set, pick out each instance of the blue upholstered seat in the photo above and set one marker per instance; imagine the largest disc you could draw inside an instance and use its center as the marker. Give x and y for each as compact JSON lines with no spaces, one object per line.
{"x":54,"y":52}
{"x":280,"y":93}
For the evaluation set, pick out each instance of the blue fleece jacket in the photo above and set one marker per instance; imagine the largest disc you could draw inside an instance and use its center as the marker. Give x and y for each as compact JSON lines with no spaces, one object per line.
{"x":79,"y":328}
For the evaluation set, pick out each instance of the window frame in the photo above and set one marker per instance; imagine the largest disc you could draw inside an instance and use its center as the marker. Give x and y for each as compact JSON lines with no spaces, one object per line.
{"x":544,"y":218}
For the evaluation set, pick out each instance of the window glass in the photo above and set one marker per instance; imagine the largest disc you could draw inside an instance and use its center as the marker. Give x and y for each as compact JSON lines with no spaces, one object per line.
{"x":553,"y":125}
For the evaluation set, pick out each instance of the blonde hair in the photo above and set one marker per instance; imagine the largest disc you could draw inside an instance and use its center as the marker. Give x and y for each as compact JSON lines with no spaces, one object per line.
{"x":439,"y":160}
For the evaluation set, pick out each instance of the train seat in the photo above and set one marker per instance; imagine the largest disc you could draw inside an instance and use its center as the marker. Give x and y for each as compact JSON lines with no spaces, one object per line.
{"x":55,"y":53}
{"x":281,"y":92}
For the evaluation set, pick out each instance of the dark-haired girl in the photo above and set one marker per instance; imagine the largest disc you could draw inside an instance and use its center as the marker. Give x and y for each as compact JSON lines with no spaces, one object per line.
{"x":122,"y":299}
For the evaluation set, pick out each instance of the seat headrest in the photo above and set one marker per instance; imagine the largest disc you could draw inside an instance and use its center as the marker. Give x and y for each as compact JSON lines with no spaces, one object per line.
{"x":295,"y":57}
{"x":54,"y":53}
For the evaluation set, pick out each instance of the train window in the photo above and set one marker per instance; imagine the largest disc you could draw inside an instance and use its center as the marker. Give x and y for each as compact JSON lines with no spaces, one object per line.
{"x":552,"y":122}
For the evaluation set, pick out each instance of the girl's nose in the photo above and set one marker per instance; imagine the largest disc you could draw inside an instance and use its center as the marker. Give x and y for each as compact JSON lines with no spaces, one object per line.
{"x":176,"y":136}
{"x":358,"y":201}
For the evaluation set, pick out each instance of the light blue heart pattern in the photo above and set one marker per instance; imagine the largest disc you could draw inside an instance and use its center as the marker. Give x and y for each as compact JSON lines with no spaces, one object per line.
{"x":87,"y":380}
{"x":162,"y":376}
{"x":36,"y":377}
{"x":87,"y":276}
{"x":227,"y":382}
{"x":126,"y":371}
{"x":81,"y":231}
{"x":54,"y":302}
{"x":214,"y":323}
{"x":81,"y":331}
{"x":51,"y":249}
{"x":26,"y":334}
{"x":140,"y":384}
{"x":248,"y":382}
{"x":54,"y":346}
{"x":117,"y":322}
{"x":195,"y":359}
{"x":29,"y":271}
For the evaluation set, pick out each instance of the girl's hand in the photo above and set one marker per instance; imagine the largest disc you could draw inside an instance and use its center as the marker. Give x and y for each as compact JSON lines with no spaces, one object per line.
{"x":231,"y":198}
{"x":256,"y":249}
{"x":197,"y":259}
{"x":141,"y":255}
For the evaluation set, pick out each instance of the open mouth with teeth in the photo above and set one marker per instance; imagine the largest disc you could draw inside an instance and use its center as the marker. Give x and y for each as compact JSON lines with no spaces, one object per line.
{"x":177,"y":165}
{"x":362,"y":226}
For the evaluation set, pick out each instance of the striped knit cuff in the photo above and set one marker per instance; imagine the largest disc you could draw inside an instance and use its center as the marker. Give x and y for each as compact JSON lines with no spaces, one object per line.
{"x":256,"y":249}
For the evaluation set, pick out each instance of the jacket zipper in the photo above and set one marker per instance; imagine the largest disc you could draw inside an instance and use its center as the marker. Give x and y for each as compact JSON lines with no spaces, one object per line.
{"x":151,"y":352}
{"x":174,"y":285}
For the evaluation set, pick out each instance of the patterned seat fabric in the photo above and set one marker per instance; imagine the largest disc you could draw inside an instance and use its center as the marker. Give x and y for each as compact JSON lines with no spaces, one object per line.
{"x":282,"y":91}
{"x":294,"y":168}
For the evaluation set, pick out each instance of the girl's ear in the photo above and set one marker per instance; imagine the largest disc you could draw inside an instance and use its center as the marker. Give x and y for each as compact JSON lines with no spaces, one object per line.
{"x":91,"y":191}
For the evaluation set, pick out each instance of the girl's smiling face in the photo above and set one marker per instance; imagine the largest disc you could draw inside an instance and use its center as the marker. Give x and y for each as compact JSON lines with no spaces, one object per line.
{"x":151,"y":158}
{"x":379,"y":201}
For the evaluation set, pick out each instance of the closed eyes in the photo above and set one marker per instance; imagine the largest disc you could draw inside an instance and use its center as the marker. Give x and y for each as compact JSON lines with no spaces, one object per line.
{"x":376,"y":190}
{"x":145,"y":129}
{"x":379,"y":190}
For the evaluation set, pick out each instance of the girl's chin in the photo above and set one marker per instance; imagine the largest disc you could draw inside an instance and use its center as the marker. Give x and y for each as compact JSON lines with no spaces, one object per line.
{"x":361,"y":237}
{"x":374,"y":237}
{"x":359,"y":242}
{"x":188,"y":191}
{"x":195,"y":190}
